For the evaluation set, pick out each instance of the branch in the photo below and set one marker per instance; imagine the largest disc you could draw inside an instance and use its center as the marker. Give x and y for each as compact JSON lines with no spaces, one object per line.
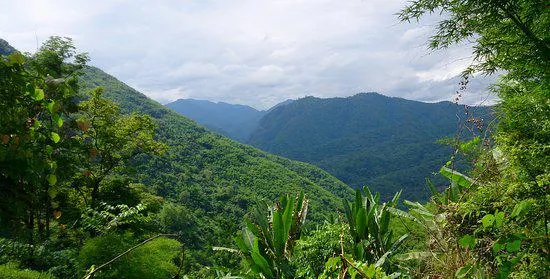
{"x":354,"y":267}
{"x":521,"y":25}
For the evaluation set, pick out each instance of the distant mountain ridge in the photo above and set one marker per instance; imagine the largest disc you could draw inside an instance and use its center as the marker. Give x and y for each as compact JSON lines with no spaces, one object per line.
{"x":234,"y":121}
{"x":370,"y":139}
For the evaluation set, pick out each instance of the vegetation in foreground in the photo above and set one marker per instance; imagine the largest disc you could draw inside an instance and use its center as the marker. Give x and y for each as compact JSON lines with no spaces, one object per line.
{"x":70,"y":210}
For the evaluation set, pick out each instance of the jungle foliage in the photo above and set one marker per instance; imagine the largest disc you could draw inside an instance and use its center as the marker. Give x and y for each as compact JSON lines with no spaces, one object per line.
{"x":109,"y":184}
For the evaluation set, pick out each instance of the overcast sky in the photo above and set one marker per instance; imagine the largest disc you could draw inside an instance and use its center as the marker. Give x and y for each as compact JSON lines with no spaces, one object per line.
{"x":254,"y":52}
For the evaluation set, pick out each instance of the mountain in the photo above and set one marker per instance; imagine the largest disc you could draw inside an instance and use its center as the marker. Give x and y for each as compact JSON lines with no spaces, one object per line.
{"x":216,"y":178}
{"x":5,"y":47}
{"x":367,"y":139}
{"x":283,"y":103}
{"x":234,"y":121}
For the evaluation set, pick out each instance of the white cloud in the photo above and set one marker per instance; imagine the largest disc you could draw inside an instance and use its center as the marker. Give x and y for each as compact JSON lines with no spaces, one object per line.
{"x":247,"y":51}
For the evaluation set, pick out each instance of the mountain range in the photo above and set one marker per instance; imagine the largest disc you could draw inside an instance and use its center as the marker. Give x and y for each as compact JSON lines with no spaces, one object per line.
{"x":366,"y":139}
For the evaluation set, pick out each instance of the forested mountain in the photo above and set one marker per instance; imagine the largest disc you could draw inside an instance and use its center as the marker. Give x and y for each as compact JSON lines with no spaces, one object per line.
{"x":234,"y":121}
{"x":283,"y":103}
{"x":367,"y":139}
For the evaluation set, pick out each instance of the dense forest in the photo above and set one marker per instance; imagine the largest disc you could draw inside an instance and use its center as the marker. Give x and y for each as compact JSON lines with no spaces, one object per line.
{"x":98,"y":181}
{"x":366,"y":139}
{"x":370,"y":139}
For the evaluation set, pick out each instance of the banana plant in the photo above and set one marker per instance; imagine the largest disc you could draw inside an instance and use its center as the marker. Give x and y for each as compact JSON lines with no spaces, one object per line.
{"x":369,"y":221}
{"x":267,"y":242}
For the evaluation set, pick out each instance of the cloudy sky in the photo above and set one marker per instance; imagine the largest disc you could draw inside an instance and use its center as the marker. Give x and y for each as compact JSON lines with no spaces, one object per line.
{"x":254,"y":52}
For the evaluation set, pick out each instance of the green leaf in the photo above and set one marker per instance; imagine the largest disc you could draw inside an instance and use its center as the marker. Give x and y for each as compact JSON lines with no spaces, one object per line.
{"x":287,"y":217}
{"x":520,"y":208}
{"x":278,"y":232}
{"x":260,"y":260}
{"x":349,"y":216}
{"x":333,"y":263}
{"x":38,"y":94}
{"x":457,"y":177}
{"x":57,"y":120}
{"x":370,"y":270}
{"x":52,"y":179}
{"x":361,"y":222}
{"x":467,"y":241}
{"x":55,"y":137}
{"x":384,"y":221}
{"x":358,"y":200}
{"x":37,"y":123}
{"x":463,"y":271}
{"x":513,"y":246}
{"x":499,"y":219}
{"x":403,"y":214}
{"x":497,"y":246}
{"x":488,"y":220}
{"x":52,"y":192}
{"x":49,"y":149}
{"x":50,"y":106}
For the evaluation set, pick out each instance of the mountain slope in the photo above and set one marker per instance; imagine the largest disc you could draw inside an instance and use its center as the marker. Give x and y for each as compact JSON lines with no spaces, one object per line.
{"x":234,"y":121}
{"x":216,"y":178}
{"x":367,"y":139}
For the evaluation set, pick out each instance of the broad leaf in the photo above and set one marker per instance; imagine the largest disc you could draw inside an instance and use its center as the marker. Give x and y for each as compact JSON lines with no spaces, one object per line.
{"x":55,"y":137}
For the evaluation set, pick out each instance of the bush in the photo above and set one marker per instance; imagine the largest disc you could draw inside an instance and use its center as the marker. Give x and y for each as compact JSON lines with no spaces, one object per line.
{"x":12,"y":271}
{"x":152,"y":260}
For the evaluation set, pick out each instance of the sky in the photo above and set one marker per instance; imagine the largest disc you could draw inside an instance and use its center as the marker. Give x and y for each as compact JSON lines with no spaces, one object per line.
{"x":252,"y":52}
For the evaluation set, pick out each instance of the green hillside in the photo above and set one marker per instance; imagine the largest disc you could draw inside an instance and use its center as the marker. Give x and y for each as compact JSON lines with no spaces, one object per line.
{"x":367,"y":139}
{"x":216,"y":176}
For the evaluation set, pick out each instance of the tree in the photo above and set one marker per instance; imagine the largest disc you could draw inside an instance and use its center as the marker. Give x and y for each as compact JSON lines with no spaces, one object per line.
{"x":510,"y":37}
{"x":109,"y":140}
{"x":36,"y":95}
{"x":59,"y":148}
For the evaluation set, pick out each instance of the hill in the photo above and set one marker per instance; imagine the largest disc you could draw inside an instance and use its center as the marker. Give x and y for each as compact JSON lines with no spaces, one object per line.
{"x":218,"y":179}
{"x":234,"y":121}
{"x":367,"y":139}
